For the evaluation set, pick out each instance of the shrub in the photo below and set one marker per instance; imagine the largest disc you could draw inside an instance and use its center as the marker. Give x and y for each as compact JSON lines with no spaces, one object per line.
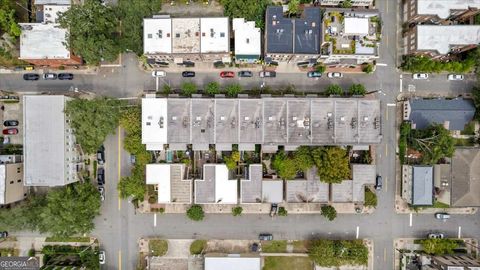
{"x":188,"y":88}
{"x":237,"y":211}
{"x":282,"y":211}
{"x":320,"y":68}
{"x":195,"y":213}
{"x":233,"y":89}
{"x":212,"y":88}
{"x":370,"y":198}
{"x":158,"y":247}
{"x":333,"y":89}
{"x":357,"y":90}
{"x":197,"y":247}
{"x":368,"y":68}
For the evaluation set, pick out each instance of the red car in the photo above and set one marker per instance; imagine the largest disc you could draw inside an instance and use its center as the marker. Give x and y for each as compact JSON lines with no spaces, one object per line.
{"x":10,"y":131}
{"x":227,"y":74}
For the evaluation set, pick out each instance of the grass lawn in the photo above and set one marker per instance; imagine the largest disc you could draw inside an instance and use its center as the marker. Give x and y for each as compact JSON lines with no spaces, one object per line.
{"x":67,"y":239}
{"x":301,"y":246}
{"x":158,"y":247}
{"x":198,"y":246}
{"x":288,"y":263}
{"x":438,"y":204}
{"x":275,"y":246}
{"x":5,"y":252}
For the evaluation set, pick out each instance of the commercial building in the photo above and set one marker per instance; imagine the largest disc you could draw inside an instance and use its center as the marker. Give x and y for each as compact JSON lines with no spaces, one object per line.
{"x":51,"y":154}
{"x":171,"y":182}
{"x":465,"y":187}
{"x":184,"y":40}
{"x":11,"y":179}
{"x":217,"y":186}
{"x":453,"y":114}
{"x":248,"y":44}
{"x":417,"y":185}
{"x":271,"y":122}
{"x":355,"y":3}
{"x":439,"y":11}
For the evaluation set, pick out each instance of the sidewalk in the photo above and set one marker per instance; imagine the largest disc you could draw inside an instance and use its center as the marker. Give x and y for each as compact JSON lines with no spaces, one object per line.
{"x":81,"y":70}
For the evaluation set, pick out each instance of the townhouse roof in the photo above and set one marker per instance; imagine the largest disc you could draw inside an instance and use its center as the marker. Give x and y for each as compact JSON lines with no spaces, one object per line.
{"x":454,"y":114}
{"x":442,"y":38}
{"x":53,"y":2}
{"x":215,"y":36}
{"x":279,"y":31}
{"x":157,"y":35}
{"x":307,"y":32}
{"x":43,"y":41}
{"x":466,"y":177}
{"x":308,"y":190}
{"x":51,"y":12}
{"x":216,"y":187}
{"x":422,"y":185}
{"x":251,"y":188}
{"x":443,"y":8}
{"x":247,"y":37}
{"x":169,"y":178}
{"x":354,"y":190}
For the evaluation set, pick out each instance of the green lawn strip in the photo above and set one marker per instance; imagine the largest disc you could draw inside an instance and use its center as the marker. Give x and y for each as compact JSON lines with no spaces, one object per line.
{"x":275,"y":246}
{"x":158,"y":247}
{"x":67,"y":239}
{"x":438,"y":204}
{"x":287,"y":263}
{"x":5,"y":252}
{"x":300,"y":246}
{"x":197,"y":247}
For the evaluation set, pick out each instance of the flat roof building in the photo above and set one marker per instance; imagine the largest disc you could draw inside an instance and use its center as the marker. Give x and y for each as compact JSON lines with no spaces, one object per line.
{"x":232,"y":262}
{"x":170,"y":181}
{"x":216,"y":186}
{"x":248,"y":43}
{"x":256,"y":189}
{"x":11,"y":179}
{"x":417,"y":186}
{"x":439,"y":11}
{"x":355,"y":3}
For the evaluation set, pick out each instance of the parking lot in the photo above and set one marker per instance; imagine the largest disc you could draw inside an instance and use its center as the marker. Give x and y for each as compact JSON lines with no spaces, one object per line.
{"x":12,"y":110}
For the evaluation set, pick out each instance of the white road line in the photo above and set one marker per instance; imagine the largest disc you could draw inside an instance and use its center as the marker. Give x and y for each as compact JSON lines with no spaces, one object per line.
{"x":154,"y":220}
{"x":401,"y":84}
{"x":382,"y":64}
{"x":156,"y":84}
{"x":459,"y":232}
{"x":358,"y":230}
{"x":411,"y":217}
{"x":391,"y":104}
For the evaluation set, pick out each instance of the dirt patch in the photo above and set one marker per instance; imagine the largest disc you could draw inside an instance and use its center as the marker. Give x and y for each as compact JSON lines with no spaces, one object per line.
{"x":228,"y":246}
{"x":180,"y":9}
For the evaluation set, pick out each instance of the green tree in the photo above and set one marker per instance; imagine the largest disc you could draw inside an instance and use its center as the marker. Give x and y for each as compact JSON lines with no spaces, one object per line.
{"x":232,"y":160}
{"x":346,"y":4}
{"x":439,"y":246}
{"x":92,"y":31}
{"x":333,"y":89}
{"x":323,"y":254}
{"x":303,"y":158}
{"x":70,"y":210}
{"x":426,"y":64}
{"x":329,"y":212}
{"x":212,"y":88}
{"x":368,"y":68}
{"x":284,"y":165}
{"x":320,"y":68}
{"x":435,"y":143}
{"x":93,"y":120}
{"x":357,"y":90}
{"x":195,"y":212}
{"x":476,"y":100}
{"x":8,"y":23}
{"x":251,"y":10}
{"x":237,"y":211}
{"x":282,"y":211}
{"x":332,"y":163}
{"x":233,"y":90}
{"x":188,"y":88}
{"x":293,"y":6}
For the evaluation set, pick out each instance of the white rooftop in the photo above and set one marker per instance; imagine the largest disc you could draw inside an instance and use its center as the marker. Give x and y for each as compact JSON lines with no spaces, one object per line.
{"x":356,"y":26}
{"x":51,"y":12}
{"x":3,"y":175}
{"x":440,"y":38}
{"x":157,"y":35}
{"x":215,"y":35}
{"x":232,"y":263}
{"x":247,"y":37}
{"x":154,"y":123}
{"x":225,"y":189}
{"x":442,"y":8}
{"x":159,"y":174}
{"x":43,"y":41}
{"x":52,"y":2}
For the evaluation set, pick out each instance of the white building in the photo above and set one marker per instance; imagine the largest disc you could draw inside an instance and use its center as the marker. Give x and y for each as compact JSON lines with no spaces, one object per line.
{"x":170,"y":182}
{"x":11,"y":179}
{"x":232,"y":262}
{"x":216,"y":186}
{"x":248,"y":44}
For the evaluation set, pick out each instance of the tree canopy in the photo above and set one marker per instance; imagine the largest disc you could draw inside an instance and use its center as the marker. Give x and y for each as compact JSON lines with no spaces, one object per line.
{"x":188,"y":88}
{"x":331,"y":253}
{"x":195,"y":213}
{"x":233,"y":90}
{"x":426,"y":64}
{"x":293,"y":6}
{"x":232,"y":160}
{"x":439,"y":246}
{"x":357,"y":90}
{"x":329,"y":212}
{"x":284,"y":165}
{"x":434,"y":142}
{"x":333,"y":89}
{"x":8,"y":23}
{"x":332,"y":163}
{"x":251,"y":10}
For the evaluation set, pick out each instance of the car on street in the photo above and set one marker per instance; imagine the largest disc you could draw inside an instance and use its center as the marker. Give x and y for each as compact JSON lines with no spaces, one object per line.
{"x":10,"y":123}
{"x":378,"y":183}
{"x":159,"y":73}
{"x":227,"y":74}
{"x":245,"y":73}
{"x":188,"y":74}
{"x":101,"y":176}
{"x":442,"y":216}
{"x":436,"y":236}
{"x":265,"y":237}
{"x":10,"y":131}
{"x":31,"y":77}
{"x":101,"y":190}
{"x":314,"y":74}
{"x":101,"y":155}
{"x":420,"y":76}
{"x":101,"y":257}
{"x":50,"y":76}
{"x":455,"y":77}
{"x":268,"y":74}
{"x":65,"y":76}
{"x":3,"y":234}
{"x":334,"y":75}
{"x":273,"y":209}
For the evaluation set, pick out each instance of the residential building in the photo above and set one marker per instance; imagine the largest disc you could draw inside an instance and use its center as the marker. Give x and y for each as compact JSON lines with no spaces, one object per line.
{"x":52,"y":38}
{"x":248,"y":44}
{"x":232,"y":262}
{"x":292,"y":39}
{"x":11,"y":179}
{"x":257,"y":189}
{"x":353,"y":191}
{"x":465,"y":185}
{"x":183,"y":40}
{"x":53,"y":2}
{"x":439,"y":11}
{"x":455,"y":262}
{"x":355,"y":3}
{"x":170,"y":182}
{"x":217,"y":186}
{"x":441,"y":41}
{"x":271,"y":122}
{"x":350,"y":37}
{"x":307,"y":190}
{"x":417,"y":186}
{"x":51,"y":154}
{"x":453,"y":114}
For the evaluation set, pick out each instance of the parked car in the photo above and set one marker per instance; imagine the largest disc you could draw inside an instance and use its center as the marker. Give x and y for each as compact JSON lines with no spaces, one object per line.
{"x":268,"y":74}
{"x":265,"y":237}
{"x":31,"y":77}
{"x":101,"y":155}
{"x":159,"y":73}
{"x":65,"y":76}
{"x":436,"y":236}
{"x":314,"y":74}
{"x":420,"y":76}
{"x":101,"y":176}
{"x":3,"y":234}
{"x":10,"y":131}
{"x":50,"y":76}
{"x":101,"y":257}
{"x":10,"y":123}
{"x":334,"y":75}
{"x":188,"y":74}
{"x":254,"y":247}
{"x":245,"y":73}
{"x":101,"y":190}
{"x":227,"y":74}
{"x":273,"y":209}
{"x":455,"y":77}
{"x":442,"y":216}
{"x":378,"y":183}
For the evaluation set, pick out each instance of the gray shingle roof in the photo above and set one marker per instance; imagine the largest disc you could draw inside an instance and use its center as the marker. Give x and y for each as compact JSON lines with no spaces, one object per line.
{"x":466,"y":177}
{"x":422,"y":193}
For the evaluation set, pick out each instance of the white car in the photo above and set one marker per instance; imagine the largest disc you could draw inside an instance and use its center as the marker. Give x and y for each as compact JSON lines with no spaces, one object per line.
{"x":101,"y":257}
{"x":420,"y":76}
{"x":334,"y":75}
{"x":455,"y":77}
{"x":159,"y":73}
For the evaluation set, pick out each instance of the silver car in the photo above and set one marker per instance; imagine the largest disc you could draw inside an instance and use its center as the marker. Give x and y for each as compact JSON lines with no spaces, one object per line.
{"x":334,"y":75}
{"x":442,"y":216}
{"x":455,"y":77}
{"x":420,"y":76}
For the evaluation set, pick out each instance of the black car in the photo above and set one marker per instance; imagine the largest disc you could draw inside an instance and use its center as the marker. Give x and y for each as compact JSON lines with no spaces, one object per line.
{"x":101,"y":155}
{"x":10,"y":123}
{"x":65,"y":76}
{"x":4,"y":234}
{"x":273,"y":209}
{"x":101,"y":177}
{"x":378,"y":183}
{"x":31,"y":76}
{"x":188,"y":74}
{"x":245,"y":73}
